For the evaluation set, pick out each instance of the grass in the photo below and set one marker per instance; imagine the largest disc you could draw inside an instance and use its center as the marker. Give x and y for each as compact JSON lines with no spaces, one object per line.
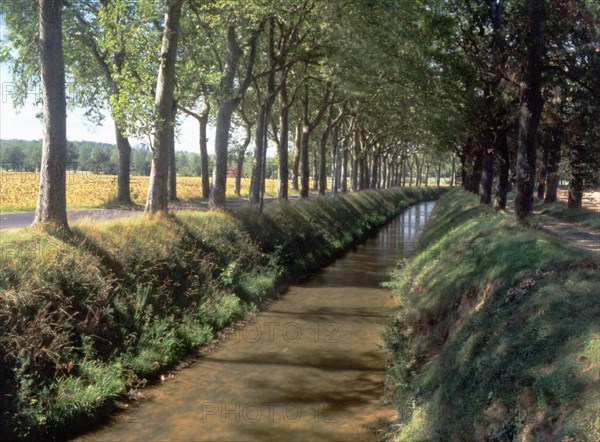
{"x":498,"y":332}
{"x":85,"y":319}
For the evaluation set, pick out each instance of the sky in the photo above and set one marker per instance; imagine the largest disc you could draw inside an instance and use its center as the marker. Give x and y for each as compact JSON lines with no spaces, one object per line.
{"x":22,"y":123}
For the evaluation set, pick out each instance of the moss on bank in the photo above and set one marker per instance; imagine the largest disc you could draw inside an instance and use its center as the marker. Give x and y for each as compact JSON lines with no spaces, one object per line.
{"x":498,"y":332}
{"x":85,"y":319}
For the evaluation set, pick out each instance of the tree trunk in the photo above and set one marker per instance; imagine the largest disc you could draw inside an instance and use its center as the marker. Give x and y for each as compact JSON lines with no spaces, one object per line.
{"x":124,"y":172}
{"x":335,"y":172}
{"x":259,"y":146}
{"x":487,"y":177}
{"x":453,"y":173}
{"x":419,"y":166}
{"x":297,"y":156}
{"x":554,"y":152}
{"x":203,"y":123}
{"x":165,"y":86}
{"x":282,"y":176}
{"x":464,"y":167}
{"x":438,"y":174}
{"x":543,"y":173}
{"x":315,"y":185}
{"x":344,"y":173}
{"x":531,"y":103}
{"x":404,"y":161}
{"x":356,"y":162}
{"x":477,"y":170}
{"x":305,"y":164}
{"x":503,"y":170}
{"x":226,"y":108}
{"x":257,"y":183}
{"x":427,"y":166}
{"x":52,"y":200}
{"x":375,"y":171}
{"x":172,"y":183}
{"x":322,"y":184}
{"x":576,"y":175}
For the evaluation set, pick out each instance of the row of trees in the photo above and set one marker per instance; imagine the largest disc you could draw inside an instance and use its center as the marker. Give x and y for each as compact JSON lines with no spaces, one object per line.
{"x":357,"y":91}
{"x":529,"y":76}
{"x":102,"y":158}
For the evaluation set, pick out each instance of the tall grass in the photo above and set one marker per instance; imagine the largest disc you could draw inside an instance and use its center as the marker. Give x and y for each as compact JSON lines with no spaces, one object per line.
{"x":498,"y":333}
{"x":86,"y":319}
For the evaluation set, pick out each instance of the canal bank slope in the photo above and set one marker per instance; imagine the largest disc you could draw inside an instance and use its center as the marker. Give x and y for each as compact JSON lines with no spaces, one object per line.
{"x":498,"y":333}
{"x":86,"y":319}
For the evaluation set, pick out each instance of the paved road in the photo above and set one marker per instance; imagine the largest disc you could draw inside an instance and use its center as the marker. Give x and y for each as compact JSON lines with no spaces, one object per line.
{"x":24,"y":219}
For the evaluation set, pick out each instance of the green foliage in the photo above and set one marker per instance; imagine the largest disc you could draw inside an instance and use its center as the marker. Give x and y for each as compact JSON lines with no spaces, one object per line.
{"x":492,"y":338}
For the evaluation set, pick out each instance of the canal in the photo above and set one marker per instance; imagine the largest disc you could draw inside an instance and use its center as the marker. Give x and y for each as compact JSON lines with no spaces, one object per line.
{"x":309,"y":367}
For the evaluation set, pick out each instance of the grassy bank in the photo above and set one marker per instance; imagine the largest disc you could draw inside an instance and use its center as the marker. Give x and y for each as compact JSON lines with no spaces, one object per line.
{"x":85,"y":320}
{"x":498,"y":332}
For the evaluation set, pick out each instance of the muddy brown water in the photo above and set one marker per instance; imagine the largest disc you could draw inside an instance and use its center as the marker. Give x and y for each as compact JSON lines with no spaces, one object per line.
{"x":310,"y":367}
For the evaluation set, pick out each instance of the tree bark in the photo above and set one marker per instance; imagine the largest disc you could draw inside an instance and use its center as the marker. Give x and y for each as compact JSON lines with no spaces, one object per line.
{"x":259,"y":146}
{"x":531,"y":104}
{"x":257,"y":183}
{"x":487,"y":177}
{"x":356,"y":162}
{"x":304,"y":157}
{"x":297,"y":157}
{"x":344,"y":172}
{"x":322,"y":184}
{"x":202,"y":119}
{"x":52,"y":199}
{"x":284,"y":127}
{"x":157,"y":200}
{"x":307,"y":128}
{"x":543,"y":173}
{"x":419,"y":168}
{"x":477,"y":170}
{"x":554,"y":154}
{"x":239,"y":164}
{"x":576,"y":179}
{"x":315,"y":185}
{"x":503,"y":170}
{"x":203,"y":125}
{"x":124,"y":172}
{"x":226,"y":108}
{"x":172,"y":183}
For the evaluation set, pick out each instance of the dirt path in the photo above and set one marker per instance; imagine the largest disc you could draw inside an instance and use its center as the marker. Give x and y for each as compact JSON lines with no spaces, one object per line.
{"x":578,"y":235}
{"x":308,"y":368}
{"x":582,"y":237}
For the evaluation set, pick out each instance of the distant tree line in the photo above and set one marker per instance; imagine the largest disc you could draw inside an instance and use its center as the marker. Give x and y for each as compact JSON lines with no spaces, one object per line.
{"x":102,"y":158}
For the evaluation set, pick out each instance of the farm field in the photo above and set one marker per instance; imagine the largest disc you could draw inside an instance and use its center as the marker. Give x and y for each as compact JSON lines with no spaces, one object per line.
{"x":19,"y":190}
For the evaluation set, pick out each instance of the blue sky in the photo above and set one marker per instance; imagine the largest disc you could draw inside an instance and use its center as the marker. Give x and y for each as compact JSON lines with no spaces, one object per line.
{"x":22,"y":124}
